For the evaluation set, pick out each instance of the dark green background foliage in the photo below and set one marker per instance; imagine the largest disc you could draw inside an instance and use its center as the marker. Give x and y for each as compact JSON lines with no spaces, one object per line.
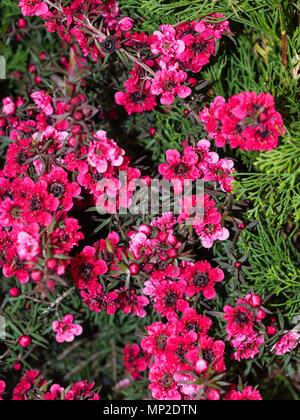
{"x":258,"y":56}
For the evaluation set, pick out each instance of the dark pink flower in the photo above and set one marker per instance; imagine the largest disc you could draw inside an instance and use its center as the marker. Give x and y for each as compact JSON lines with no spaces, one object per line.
{"x":168,"y":84}
{"x":201,"y":277}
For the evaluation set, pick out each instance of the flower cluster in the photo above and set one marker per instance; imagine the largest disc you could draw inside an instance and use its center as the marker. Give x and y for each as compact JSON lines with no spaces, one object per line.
{"x":40,"y":185}
{"x":287,"y":343}
{"x":241,"y":320}
{"x":182,"y":350}
{"x":34,"y":387}
{"x":197,"y":163}
{"x":134,"y":362}
{"x":167,"y":54}
{"x":247,"y":120}
{"x":247,"y":394}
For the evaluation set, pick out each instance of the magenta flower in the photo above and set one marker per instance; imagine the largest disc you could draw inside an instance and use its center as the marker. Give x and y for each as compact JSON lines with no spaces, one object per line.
{"x":164,"y":42}
{"x":287,"y":343}
{"x":178,"y":169}
{"x":168,"y":84}
{"x":33,"y":7}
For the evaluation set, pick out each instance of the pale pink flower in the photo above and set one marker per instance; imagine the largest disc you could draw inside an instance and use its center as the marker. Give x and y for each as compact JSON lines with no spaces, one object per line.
{"x":65,"y":330}
{"x":43,"y":101}
{"x":164,"y":42}
{"x":9,"y":106}
{"x":28,"y":247}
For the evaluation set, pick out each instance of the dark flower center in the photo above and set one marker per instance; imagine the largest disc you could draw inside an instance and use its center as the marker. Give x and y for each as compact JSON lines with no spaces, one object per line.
{"x":201,"y":280}
{"x":109,"y":45}
{"x":219,"y":172}
{"x":18,"y":264}
{"x":264,"y":133}
{"x":170,"y":299}
{"x":21,"y":158}
{"x":137,"y":97}
{"x":240,"y":128}
{"x":192,"y":326}
{"x":181,"y":169}
{"x":35,"y":204}
{"x":57,"y":189}
{"x":15,"y":212}
{"x":200,"y":47}
{"x":208,"y":356}
{"x":86,"y":271}
{"x":169,"y":85}
{"x":241,"y":319}
{"x":181,"y":354}
{"x":108,"y":257}
{"x":210,"y":228}
{"x":97,"y":177}
{"x":99,"y":300}
{"x":8,"y":194}
{"x":161,"y":342}
{"x":256,"y":107}
{"x":161,"y":265}
{"x":167,"y":380}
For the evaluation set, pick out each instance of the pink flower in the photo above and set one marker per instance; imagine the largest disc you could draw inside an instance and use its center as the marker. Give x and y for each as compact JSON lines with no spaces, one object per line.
{"x":2,"y":388}
{"x":168,"y":83}
{"x":126,"y":23}
{"x":38,"y":203}
{"x":247,"y":347}
{"x":86,"y":268}
{"x":163,"y":384}
{"x":104,"y":152}
{"x":239,"y":321}
{"x":156,"y":341}
{"x":169,"y":298}
{"x":207,"y":220}
{"x":287,"y":343}
{"x":60,"y":187}
{"x":133,"y":362}
{"x":199,"y":49}
{"x":9,"y":106}
{"x":247,"y":120}
{"x":137,"y":97}
{"x":212,"y":354}
{"x":43,"y":101}
{"x":28,"y":247}
{"x":191,"y":321}
{"x":201,"y":277}
{"x":164,"y":42}
{"x":178,"y":169}
{"x":248,"y":394}
{"x":33,"y":7}
{"x":130,"y":302}
{"x":65,"y":330}
{"x":98,"y":300}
